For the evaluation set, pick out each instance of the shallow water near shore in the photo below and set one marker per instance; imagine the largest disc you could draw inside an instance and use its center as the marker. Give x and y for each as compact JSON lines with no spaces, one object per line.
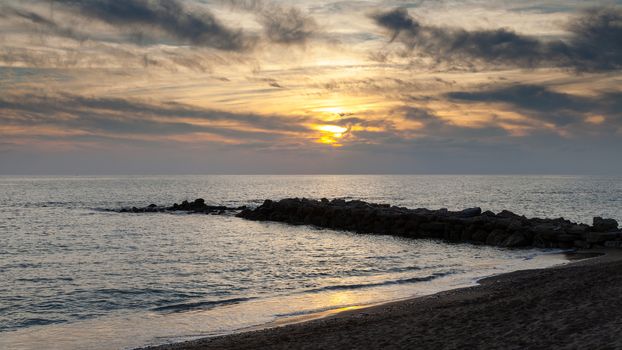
{"x":78,"y":277}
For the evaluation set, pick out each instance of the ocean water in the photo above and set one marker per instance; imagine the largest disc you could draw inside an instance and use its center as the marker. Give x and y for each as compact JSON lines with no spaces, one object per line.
{"x":77,"y":277}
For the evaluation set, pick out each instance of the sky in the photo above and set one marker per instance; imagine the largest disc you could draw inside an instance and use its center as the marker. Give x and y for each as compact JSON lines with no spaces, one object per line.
{"x":310,"y":87}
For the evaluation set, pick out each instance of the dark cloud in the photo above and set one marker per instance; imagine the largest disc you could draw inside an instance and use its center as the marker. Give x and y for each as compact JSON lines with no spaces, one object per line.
{"x":595,"y":42}
{"x":191,"y":25}
{"x":542,"y":103}
{"x":287,"y":26}
{"x":534,"y":97}
{"x":281,"y":24}
{"x":397,"y":20}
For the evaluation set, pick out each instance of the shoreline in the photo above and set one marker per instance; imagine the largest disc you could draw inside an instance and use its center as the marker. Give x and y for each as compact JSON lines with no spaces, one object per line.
{"x":309,"y":331}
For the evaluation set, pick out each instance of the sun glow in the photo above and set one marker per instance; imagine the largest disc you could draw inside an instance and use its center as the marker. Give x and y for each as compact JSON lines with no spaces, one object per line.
{"x":330,"y":134}
{"x":330,"y":110}
{"x":333,"y":129}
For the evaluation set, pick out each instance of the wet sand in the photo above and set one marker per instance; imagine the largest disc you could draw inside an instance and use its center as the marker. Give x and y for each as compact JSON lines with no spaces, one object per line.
{"x":574,"y":306}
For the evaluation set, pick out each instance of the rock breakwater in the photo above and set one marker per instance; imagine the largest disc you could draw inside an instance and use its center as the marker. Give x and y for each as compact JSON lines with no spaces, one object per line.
{"x":504,"y":229}
{"x":198,"y":206}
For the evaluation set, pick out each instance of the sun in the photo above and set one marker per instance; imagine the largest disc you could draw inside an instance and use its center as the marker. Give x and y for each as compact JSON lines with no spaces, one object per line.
{"x":330,"y":134}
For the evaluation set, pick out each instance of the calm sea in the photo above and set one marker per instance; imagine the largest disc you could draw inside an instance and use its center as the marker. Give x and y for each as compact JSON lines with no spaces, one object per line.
{"x":76,"y":277}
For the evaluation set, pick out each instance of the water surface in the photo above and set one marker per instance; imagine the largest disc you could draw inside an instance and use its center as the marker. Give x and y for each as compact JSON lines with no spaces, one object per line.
{"x":76,"y":277}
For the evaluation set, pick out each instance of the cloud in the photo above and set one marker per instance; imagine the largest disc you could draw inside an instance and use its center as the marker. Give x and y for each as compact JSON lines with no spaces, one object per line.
{"x":593,"y":45}
{"x":40,"y":20}
{"x":113,"y":117}
{"x":281,"y":24}
{"x":287,"y":26}
{"x":195,"y":25}
{"x":542,"y":103}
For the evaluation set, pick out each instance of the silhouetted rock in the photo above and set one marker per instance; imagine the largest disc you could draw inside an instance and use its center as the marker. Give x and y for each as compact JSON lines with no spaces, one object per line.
{"x":470,"y":212}
{"x":505,"y":229}
{"x":600,"y":237}
{"x":197,"y":206}
{"x":604,"y":225}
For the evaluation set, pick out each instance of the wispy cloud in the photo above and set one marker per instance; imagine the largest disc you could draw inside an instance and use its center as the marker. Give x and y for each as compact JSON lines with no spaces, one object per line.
{"x":593,"y":44}
{"x":558,"y":108}
{"x":196,"y":26}
{"x":103,"y":117}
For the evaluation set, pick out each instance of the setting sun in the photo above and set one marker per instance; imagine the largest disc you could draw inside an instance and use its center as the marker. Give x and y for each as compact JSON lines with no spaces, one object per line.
{"x":337,"y":131}
{"x":330,"y":134}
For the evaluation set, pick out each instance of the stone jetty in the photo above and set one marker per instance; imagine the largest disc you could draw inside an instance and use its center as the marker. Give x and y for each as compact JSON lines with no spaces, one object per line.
{"x":504,"y":229}
{"x":198,"y":206}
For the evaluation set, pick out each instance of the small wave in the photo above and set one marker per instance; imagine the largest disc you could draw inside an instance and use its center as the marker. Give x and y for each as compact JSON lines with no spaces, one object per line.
{"x":385,"y":283}
{"x":49,"y":204}
{"x":45,"y":279}
{"x":33,"y":322}
{"x":314,"y":311}
{"x":404,"y":269}
{"x":22,"y":266}
{"x":201,"y":305}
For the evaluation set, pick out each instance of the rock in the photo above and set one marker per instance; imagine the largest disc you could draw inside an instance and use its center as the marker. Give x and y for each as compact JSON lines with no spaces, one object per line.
{"x":550,"y":229}
{"x":515,"y":226}
{"x":508,"y":215}
{"x":470,"y":212}
{"x":480,"y":236}
{"x":197,"y":206}
{"x":582,"y":244}
{"x":604,"y":225}
{"x":497,"y":237}
{"x":515,"y":240}
{"x":600,"y":237}
{"x":564,"y":237}
{"x":578,"y":230}
{"x":613,"y":244}
{"x":565,"y":245}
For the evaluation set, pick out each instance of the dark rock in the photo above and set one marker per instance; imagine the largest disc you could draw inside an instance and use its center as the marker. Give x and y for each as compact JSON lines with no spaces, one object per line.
{"x":480,"y":236}
{"x":604,"y":225}
{"x":515,"y":240}
{"x":505,"y":229}
{"x":579,"y":230}
{"x":566,"y":238}
{"x":613,"y":244}
{"x":565,"y":245}
{"x":197,"y":206}
{"x":470,"y":212}
{"x":582,"y":244}
{"x":600,"y":237}
{"x":497,"y":237}
{"x":508,"y":214}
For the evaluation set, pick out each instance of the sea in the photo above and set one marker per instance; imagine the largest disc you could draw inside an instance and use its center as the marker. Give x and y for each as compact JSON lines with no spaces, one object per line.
{"x":76,"y":276}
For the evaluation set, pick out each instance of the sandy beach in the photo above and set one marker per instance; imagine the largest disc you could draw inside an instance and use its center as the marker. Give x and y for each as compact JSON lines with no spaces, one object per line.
{"x":574,"y":306}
